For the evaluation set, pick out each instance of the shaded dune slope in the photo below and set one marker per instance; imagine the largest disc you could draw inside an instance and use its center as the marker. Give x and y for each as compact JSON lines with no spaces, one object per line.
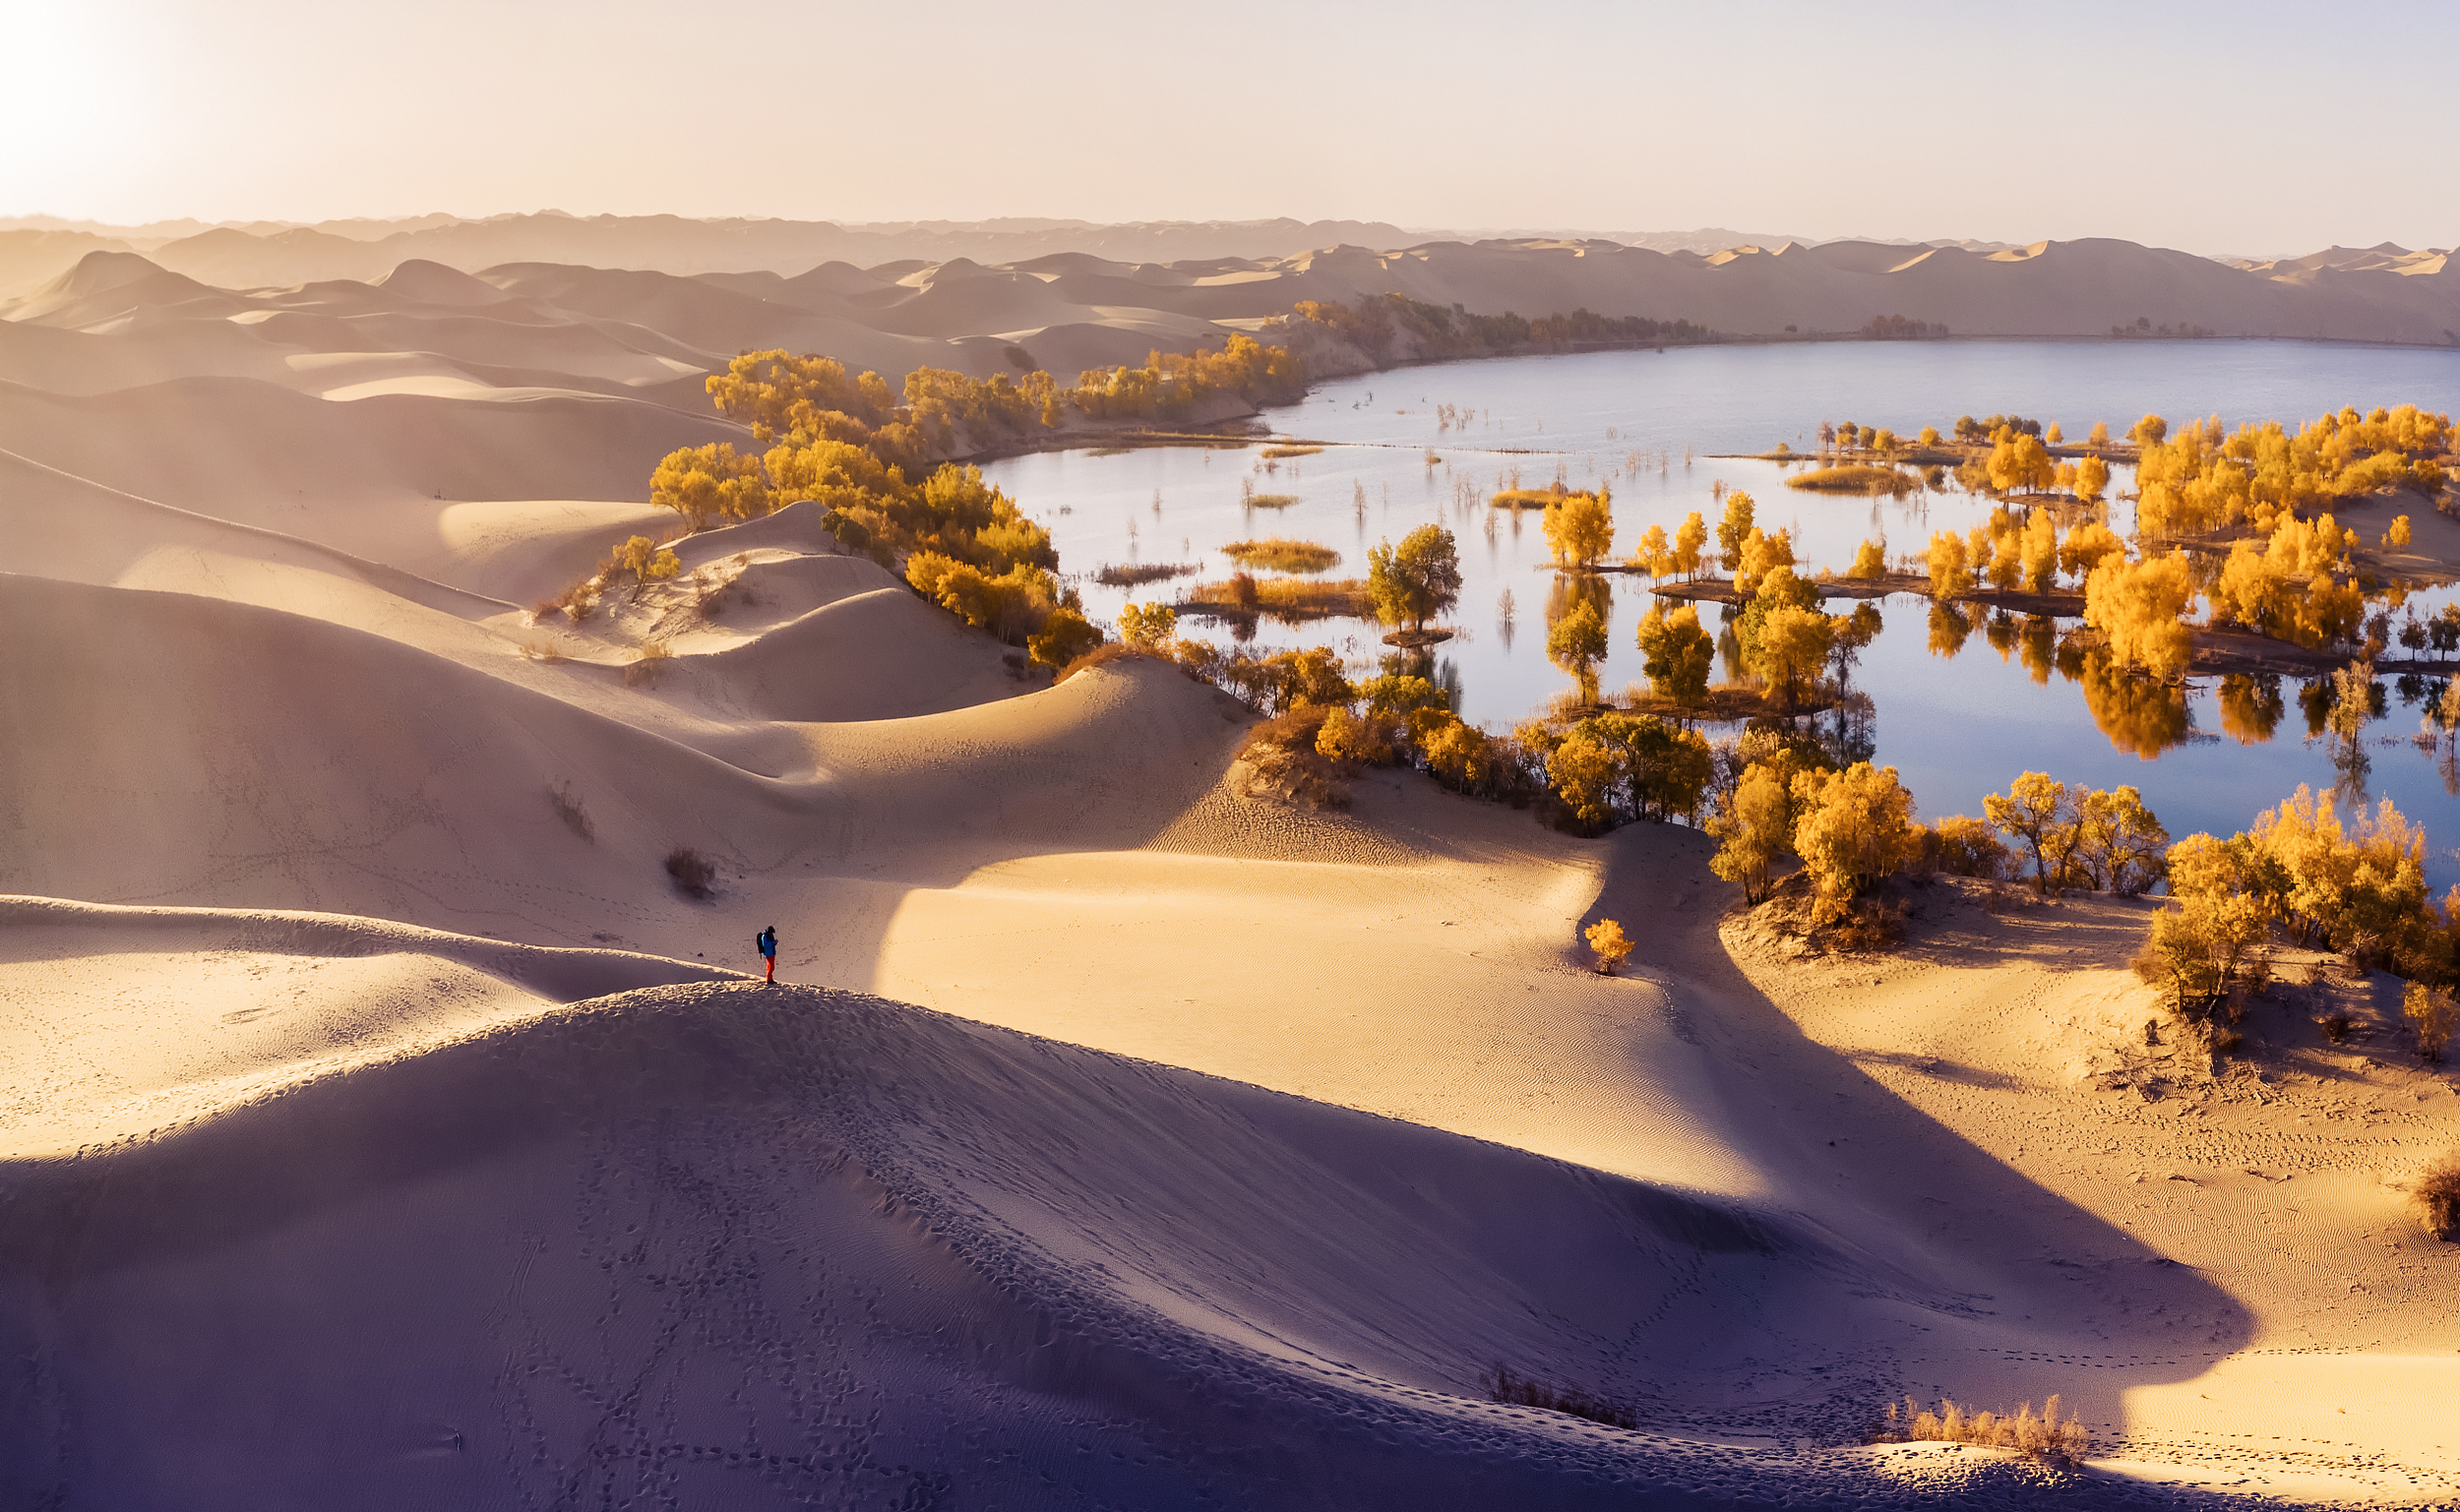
{"x":879,"y":654}
{"x":774,"y":1247}
{"x":61,"y":526}
{"x":211,"y":752}
{"x":250,"y":451}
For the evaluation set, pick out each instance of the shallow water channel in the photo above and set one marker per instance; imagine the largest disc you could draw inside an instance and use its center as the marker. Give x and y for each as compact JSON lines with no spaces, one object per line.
{"x":1433,"y":444}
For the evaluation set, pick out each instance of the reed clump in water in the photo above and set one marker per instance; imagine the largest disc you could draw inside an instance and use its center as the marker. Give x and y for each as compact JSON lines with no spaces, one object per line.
{"x":1855,"y":478}
{"x":1280,"y":555}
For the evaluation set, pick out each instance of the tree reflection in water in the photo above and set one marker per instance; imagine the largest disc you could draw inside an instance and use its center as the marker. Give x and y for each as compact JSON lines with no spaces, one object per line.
{"x":1948,"y":629}
{"x":2136,"y":712}
{"x":2250,"y":707}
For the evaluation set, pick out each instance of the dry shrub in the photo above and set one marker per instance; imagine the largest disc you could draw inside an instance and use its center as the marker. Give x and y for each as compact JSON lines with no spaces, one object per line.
{"x":2336,"y":1026}
{"x":1502,"y":1385}
{"x":645,"y":667}
{"x":695,"y":875}
{"x":709,"y":588}
{"x":1870,"y":925}
{"x":578,"y":601}
{"x":1276,"y":454}
{"x":567,"y":806}
{"x":1282,"y":761}
{"x":2434,"y":1015}
{"x":2438,"y":1198}
{"x":541,"y":651}
{"x":1867,"y":925}
{"x":2042,"y":1438}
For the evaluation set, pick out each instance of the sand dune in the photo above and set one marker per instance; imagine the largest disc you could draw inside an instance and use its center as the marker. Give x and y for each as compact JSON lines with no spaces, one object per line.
{"x":878,"y":1253}
{"x":384,"y":1125}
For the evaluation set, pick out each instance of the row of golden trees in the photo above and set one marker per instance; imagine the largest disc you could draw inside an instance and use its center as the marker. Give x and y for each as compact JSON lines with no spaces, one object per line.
{"x":877,"y":464}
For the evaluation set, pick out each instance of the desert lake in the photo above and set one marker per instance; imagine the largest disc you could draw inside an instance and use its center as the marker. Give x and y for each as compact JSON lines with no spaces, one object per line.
{"x":1433,"y":444}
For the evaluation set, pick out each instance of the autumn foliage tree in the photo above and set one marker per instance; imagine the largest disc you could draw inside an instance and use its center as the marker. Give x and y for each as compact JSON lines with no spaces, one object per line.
{"x":1951,"y":575}
{"x":1609,"y":944}
{"x":1854,"y":827}
{"x":1416,"y":581}
{"x":647,"y":561}
{"x":1733,"y":528}
{"x":1690,"y":543}
{"x":2139,"y":606}
{"x":709,"y":483}
{"x":1756,"y":829}
{"x":1677,"y":654}
{"x":1580,"y":528}
{"x":1147,"y":626}
{"x":1758,"y":556}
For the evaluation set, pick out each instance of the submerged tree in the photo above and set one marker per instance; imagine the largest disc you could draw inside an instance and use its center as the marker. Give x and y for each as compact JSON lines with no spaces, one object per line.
{"x":1580,"y":529}
{"x":1677,"y":654}
{"x":1732,"y":529}
{"x":1416,"y":581}
{"x":1690,"y":542}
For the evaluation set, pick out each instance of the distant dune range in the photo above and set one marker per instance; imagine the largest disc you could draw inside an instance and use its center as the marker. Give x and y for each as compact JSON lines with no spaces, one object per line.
{"x":632,"y":306}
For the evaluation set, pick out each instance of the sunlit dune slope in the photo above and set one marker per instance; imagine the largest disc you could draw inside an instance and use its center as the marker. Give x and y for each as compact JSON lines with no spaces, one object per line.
{"x":767,"y":1246}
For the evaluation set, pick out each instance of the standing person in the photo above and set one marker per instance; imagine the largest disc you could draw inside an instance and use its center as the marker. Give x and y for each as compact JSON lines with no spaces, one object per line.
{"x":767,"y":940}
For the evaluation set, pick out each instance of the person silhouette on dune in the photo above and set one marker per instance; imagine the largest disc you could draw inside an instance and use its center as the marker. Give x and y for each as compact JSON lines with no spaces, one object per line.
{"x":767,"y":940}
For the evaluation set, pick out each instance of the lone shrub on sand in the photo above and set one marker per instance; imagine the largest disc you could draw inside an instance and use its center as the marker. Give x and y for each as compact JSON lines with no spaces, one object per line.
{"x":646,"y":560}
{"x":2438,"y":1198}
{"x":695,"y":875}
{"x":2434,"y":1013}
{"x":2041,"y":1438}
{"x":1606,"y":939}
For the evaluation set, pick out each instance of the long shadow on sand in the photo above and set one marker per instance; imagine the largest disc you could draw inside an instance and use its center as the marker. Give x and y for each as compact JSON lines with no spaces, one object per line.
{"x":1854,"y":1160}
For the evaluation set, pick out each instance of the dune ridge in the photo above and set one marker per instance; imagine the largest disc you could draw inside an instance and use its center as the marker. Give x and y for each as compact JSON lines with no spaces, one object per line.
{"x":1296,"y":1296}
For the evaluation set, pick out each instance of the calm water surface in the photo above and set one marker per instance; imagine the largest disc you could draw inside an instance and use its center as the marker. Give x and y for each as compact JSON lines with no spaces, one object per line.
{"x":1644,"y":424}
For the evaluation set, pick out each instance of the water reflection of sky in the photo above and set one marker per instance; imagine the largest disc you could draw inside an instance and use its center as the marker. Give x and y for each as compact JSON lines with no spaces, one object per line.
{"x":1955,"y":728}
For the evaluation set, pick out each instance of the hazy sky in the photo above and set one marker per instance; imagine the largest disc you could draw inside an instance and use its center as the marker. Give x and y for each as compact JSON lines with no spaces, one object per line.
{"x":2254,"y":127}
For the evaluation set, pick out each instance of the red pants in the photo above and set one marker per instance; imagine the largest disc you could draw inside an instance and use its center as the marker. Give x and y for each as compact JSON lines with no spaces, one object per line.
{"x":773,"y":967}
